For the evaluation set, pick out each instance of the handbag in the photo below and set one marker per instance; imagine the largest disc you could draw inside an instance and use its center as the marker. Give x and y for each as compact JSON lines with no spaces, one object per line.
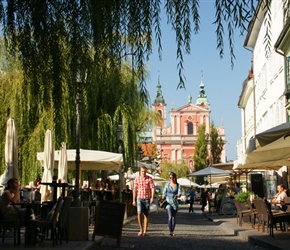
{"x":163,"y":203}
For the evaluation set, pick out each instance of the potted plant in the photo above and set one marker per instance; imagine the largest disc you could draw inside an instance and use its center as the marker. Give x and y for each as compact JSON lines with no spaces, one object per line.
{"x":243,"y":196}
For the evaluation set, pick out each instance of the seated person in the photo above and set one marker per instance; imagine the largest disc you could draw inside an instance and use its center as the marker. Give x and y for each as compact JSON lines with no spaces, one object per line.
{"x":99,"y":189}
{"x":37,"y":183}
{"x":127,"y":189}
{"x":51,"y":212}
{"x":7,"y":205}
{"x":278,"y":200}
{"x":109,"y":190}
{"x":238,"y":189}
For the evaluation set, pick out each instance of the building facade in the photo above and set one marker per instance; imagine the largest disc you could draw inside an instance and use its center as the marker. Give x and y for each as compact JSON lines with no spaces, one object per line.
{"x":176,"y":142}
{"x":264,"y":98}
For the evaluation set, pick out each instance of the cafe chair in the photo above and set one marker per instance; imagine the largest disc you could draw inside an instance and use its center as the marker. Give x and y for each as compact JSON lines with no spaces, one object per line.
{"x":263,"y":217}
{"x":254,"y":213}
{"x":62,"y":223}
{"x":241,"y":212}
{"x":8,"y":224}
{"x":44,"y":224}
{"x":280,"y":218}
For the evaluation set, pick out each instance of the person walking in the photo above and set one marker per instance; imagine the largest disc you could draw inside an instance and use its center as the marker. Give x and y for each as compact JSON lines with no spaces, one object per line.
{"x":204,"y":198}
{"x":191,"y":194}
{"x":171,"y":192}
{"x":143,"y":196}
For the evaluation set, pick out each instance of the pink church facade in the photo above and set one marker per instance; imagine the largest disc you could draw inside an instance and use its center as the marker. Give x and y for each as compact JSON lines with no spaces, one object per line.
{"x":176,"y":142}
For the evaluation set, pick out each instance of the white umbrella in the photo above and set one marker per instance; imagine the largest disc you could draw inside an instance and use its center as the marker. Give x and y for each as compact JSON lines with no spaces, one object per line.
{"x":48,"y":163}
{"x":62,"y":163}
{"x":210,"y":171}
{"x":186,"y":183}
{"x":11,"y":153}
{"x":90,"y":159}
{"x":62,"y":166}
{"x":155,"y":177}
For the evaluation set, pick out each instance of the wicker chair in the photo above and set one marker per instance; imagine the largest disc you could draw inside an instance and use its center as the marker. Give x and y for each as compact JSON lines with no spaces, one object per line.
{"x":62,"y":221}
{"x":7,"y":224}
{"x":263,"y":217}
{"x":241,"y":212}
{"x":280,"y":218}
{"x":254,"y":213}
{"x":44,"y":224}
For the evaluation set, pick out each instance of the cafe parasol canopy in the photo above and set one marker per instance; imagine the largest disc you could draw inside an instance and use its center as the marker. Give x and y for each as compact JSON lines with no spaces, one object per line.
{"x":90,"y":159}
{"x":209,"y":171}
{"x":11,"y":153}
{"x":48,"y":161}
{"x":186,"y":182}
{"x":62,"y":166}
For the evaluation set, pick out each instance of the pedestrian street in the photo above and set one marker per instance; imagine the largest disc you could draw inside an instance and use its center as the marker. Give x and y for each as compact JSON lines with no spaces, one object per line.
{"x":192,"y":231}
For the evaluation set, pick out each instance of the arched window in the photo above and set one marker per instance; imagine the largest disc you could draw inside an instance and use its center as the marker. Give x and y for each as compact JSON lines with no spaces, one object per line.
{"x":189,"y":128}
{"x":160,"y":112}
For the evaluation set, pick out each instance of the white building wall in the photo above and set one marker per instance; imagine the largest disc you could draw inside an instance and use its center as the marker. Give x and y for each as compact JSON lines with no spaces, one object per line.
{"x":264,"y":107}
{"x":269,"y":75}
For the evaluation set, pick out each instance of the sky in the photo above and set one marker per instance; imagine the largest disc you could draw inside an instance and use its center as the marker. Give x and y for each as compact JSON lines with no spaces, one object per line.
{"x":223,"y":85}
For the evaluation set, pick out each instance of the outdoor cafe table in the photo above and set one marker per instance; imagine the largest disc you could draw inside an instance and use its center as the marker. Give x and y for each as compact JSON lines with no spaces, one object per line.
{"x":55,"y":185}
{"x":34,"y":205}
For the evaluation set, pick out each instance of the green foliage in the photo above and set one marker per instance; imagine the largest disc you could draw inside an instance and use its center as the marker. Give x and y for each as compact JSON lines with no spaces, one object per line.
{"x":179,"y":168}
{"x":55,"y":48}
{"x":201,"y":152}
{"x":243,"y":196}
{"x":49,"y":33}
{"x":216,"y":144}
{"x":44,"y":103}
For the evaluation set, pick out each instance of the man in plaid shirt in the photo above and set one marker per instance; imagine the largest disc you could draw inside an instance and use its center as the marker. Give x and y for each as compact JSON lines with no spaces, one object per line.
{"x":144,"y":192}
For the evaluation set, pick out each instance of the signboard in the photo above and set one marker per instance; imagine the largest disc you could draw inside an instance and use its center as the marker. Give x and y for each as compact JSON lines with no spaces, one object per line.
{"x":109,"y":220}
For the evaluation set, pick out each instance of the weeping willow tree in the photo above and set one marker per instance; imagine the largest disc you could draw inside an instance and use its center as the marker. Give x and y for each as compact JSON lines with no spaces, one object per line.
{"x":102,"y":110}
{"x":40,"y":28}
{"x":61,"y":46}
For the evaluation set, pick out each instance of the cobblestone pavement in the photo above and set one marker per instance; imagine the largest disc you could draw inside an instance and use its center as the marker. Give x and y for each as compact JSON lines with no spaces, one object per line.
{"x":193,"y":230}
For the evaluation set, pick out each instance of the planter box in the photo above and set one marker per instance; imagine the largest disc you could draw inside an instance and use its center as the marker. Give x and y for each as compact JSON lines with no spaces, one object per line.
{"x":78,"y":223}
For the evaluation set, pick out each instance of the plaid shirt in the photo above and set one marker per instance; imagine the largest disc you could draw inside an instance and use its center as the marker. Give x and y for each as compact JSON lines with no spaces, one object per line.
{"x":144,"y":186}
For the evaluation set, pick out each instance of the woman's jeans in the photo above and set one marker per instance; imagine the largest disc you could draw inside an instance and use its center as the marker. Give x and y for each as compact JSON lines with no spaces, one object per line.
{"x":171,"y":218}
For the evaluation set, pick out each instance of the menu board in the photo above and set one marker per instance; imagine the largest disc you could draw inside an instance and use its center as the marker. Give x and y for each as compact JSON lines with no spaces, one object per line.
{"x":109,"y":219}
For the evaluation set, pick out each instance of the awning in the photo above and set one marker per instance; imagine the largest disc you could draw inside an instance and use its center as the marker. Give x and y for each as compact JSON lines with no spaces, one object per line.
{"x":90,"y":159}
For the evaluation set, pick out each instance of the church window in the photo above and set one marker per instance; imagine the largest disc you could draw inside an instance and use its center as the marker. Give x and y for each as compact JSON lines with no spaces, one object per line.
{"x":160,"y":112}
{"x":190,"y":128}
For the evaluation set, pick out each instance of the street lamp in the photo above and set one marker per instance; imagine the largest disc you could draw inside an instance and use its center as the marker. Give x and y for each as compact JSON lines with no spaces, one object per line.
{"x":79,"y":78}
{"x":140,"y":154}
{"x":119,"y":136}
{"x":78,"y":130}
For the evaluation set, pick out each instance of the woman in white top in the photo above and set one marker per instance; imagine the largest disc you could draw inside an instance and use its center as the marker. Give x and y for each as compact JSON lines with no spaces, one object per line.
{"x":9,"y":197}
{"x":279,"y":197}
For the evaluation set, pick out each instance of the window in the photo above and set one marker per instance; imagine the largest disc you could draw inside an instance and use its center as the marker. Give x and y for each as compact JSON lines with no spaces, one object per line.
{"x":288,"y":73}
{"x":189,"y":128}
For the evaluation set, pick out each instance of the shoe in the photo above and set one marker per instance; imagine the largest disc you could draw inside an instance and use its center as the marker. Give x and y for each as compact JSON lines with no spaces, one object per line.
{"x":145,"y":234}
{"x":140,"y":234}
{"x":171,"y":234}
